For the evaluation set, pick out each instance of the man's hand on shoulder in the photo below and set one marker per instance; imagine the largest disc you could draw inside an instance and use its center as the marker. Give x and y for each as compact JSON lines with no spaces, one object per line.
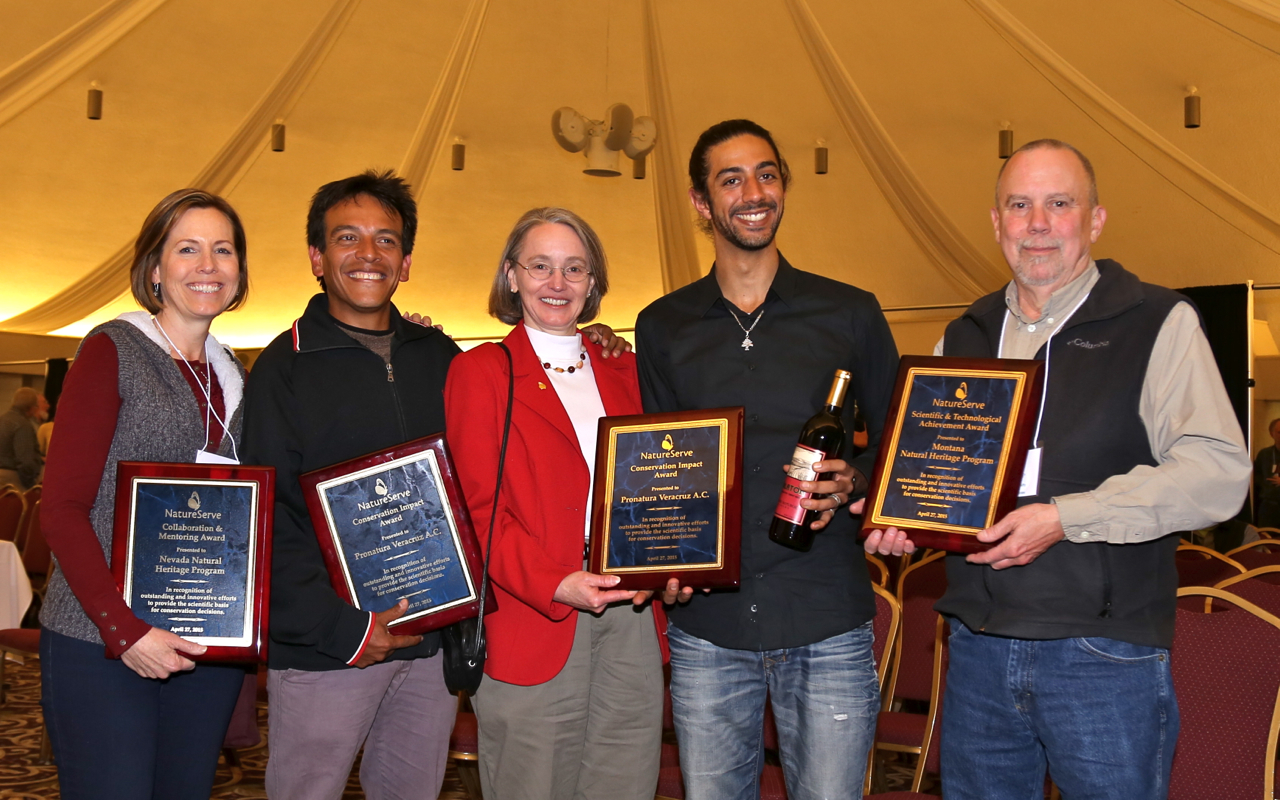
{"x":1027,"y":532}
{"x":613,"y":344}
{"x":425,"y":322}
{"x":383,"y":642}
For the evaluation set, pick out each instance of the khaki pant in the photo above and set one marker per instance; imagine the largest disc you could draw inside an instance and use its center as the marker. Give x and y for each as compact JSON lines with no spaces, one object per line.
{"x":593,"y":732}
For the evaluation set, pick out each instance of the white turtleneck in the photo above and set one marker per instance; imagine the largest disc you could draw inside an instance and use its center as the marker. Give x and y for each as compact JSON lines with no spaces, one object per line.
{"x":577,"y":391}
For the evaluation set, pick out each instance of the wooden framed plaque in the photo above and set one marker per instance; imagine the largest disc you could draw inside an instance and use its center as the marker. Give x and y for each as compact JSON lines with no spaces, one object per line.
{"x":953,"y":449}
{"x":392,"y":525}
{"x":191,"y":552}
{"x":667,"y":500}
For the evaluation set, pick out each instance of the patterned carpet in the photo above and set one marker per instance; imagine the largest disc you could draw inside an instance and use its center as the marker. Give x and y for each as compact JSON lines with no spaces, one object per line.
{"x":23,"y":778}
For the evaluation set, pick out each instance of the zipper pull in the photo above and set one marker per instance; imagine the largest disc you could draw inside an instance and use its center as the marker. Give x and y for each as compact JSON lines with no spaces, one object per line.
{"x":391,"y":376}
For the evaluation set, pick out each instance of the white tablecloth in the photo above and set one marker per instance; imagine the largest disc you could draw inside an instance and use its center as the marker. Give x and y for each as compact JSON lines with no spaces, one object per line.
{"x":15,"y":587}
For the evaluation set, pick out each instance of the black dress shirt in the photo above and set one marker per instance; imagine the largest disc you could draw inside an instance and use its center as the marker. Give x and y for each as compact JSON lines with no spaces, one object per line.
{"x":691,"y":356}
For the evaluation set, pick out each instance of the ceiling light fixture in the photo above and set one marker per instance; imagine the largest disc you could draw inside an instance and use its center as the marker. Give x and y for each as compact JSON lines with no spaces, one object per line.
{"x":603,"y":139}
{"x":277,"y":137}
{"x":95,"y":101}
{"x":458,"y":158}
{"x":1006,"y":141}
{"x":1191,"y":109}
{"x":820,"y":158}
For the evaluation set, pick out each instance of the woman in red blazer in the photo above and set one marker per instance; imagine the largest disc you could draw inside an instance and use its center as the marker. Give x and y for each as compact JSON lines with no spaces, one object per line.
{"x":571,"y":702}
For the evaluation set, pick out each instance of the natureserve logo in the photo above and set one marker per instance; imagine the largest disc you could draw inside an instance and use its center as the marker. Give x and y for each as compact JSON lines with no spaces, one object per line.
{"x":668,"y":450}
{"x":1078,"y":342}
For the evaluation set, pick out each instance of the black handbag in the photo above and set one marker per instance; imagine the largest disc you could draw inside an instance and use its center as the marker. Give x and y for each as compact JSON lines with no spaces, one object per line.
{"x":462,"y":643}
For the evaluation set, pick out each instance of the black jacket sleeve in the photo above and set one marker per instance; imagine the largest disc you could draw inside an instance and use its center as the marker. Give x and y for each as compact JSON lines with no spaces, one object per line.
{"x":305,"y":609}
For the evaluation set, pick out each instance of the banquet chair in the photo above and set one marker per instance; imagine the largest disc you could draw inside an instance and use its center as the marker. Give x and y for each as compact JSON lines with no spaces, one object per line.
{"x":243,"y":731}
{"x":877,"y":570}
{"x":30,"y":497}
{"x":464,"y":747}
{"x":24,"y":527}
{"x":36,"y":556}
{"x":886,"y":626}
{"x":1227,"y":744}
{"x":24,"y":643}
{"x":931,"y":756}
{"x":1268,"y":533}
{"x":1256,"y":554}
{"x":1201,"y":566}
{"x":12,"y":512}
{"x":1259,"y":586}
{"x":914,"y":660}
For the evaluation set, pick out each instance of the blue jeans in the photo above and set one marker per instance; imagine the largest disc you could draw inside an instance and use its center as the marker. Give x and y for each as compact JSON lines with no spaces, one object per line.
{"x":119,"y":736}
{"x":1099,"y":713}
{"x":825,"y":698}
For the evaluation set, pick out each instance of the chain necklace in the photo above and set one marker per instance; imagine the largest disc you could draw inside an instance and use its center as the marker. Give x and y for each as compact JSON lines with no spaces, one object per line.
{"x":746,"y":339}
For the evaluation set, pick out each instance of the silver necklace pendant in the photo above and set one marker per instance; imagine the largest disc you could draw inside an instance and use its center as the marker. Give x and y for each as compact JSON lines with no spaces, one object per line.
{"x":747,"y":344}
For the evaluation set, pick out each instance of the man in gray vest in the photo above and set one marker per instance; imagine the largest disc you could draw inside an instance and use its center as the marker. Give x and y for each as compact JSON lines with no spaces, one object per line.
{"x":1060,"y":633}
{"x":20,"y":460}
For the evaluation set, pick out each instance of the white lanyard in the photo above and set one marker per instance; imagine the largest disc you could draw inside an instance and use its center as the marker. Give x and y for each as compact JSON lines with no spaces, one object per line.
{"x":1044,"y":394}
{"x":1031,"y":470}
{"x":208,"y":399}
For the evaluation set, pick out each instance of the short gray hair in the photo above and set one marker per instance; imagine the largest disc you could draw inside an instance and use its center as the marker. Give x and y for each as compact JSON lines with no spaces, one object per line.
{"x":504,"y":303}
{"x":25,"y":399}
{"x":1054,"y":144}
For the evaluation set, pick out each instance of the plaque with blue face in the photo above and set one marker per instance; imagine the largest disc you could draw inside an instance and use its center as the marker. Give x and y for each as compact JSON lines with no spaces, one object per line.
{"x":953,"y":450}
{"x":191,"y":552}
{"x":392,"y":525}
{"x":667,"y":500}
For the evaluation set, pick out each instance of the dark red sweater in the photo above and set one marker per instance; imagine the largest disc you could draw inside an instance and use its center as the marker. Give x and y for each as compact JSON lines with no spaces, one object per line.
{"x":87,"y":413}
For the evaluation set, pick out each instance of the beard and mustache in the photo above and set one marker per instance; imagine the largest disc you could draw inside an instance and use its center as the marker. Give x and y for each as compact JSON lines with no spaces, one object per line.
{"x":1039,"y":270}
{"x":750,"y":240}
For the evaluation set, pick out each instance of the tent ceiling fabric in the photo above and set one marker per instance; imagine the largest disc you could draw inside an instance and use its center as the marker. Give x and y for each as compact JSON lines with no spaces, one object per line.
{"x":907,"y":97}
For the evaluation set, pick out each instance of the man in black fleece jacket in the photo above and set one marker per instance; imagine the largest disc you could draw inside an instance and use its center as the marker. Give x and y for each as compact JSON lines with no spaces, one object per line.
{"x":349,"y":378}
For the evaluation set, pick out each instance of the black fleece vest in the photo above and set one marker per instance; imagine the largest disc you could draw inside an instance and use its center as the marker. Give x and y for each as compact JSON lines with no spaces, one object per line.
{"x":1091,"y":431}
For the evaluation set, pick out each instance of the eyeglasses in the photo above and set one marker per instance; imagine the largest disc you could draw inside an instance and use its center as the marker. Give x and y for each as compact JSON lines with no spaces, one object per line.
{"x":572,"y":273}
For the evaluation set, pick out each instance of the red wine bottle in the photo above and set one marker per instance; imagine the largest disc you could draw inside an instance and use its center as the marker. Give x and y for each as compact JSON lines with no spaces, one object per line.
{"x":821,"y":439}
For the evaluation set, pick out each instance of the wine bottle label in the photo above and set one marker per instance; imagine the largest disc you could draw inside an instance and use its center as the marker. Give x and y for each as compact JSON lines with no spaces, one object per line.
{"x":802,"y":461}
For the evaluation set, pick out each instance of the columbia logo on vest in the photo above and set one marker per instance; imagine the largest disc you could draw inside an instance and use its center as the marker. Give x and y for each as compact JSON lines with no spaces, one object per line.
{"x":1086,"y":345}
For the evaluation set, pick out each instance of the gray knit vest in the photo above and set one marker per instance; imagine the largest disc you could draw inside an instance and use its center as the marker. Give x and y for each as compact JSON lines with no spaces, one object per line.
{"x":159,"y":420}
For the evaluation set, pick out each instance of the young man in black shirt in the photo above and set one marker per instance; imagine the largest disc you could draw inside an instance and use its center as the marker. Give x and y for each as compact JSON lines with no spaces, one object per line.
{"x":762,"y":334}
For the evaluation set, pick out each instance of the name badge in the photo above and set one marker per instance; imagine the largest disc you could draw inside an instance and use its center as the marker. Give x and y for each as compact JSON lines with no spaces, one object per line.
{"x":1031,"y":474}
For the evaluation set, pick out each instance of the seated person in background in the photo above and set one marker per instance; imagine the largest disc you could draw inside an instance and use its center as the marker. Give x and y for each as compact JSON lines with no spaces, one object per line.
{"x":20,"y":457}
{"x":1266,"y":481}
